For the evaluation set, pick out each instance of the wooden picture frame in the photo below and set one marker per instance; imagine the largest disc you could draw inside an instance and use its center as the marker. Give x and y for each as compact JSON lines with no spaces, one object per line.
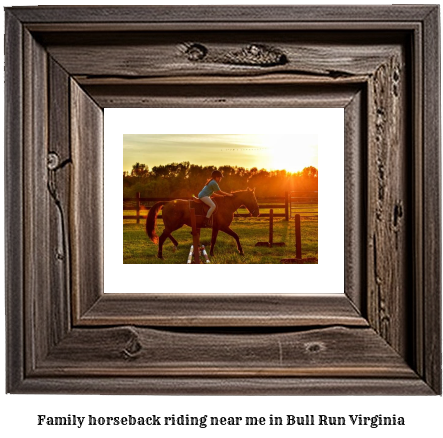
{"x":65,"y":64}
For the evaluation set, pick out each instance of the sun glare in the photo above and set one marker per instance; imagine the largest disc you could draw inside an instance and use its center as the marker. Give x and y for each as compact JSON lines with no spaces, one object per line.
{"x":288,"y":153}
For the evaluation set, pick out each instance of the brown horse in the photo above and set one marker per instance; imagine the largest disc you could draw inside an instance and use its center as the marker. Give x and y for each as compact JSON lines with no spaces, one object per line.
{"x":177,"y":213}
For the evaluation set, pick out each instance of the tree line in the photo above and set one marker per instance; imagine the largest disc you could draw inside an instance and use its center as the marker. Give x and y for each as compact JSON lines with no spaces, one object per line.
{"x":179,"y":180}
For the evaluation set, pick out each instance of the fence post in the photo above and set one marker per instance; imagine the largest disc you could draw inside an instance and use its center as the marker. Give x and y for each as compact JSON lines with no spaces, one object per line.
{"x":271,"y":227}
{"x":297,"y":237}
{"x":286,"y":206}
{"x":138,"y":207}
{"x":195,"y":237}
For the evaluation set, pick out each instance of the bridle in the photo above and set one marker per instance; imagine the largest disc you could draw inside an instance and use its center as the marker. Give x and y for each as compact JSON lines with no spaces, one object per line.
{"x":253,"y":211}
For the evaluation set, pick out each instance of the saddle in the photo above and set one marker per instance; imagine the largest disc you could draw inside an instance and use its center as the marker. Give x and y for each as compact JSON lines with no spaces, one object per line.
{"x":201,"y":209}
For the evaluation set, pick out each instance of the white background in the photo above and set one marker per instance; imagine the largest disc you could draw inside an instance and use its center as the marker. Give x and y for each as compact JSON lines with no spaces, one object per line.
{"x":18,"y":413}
{"x":328,"y":123}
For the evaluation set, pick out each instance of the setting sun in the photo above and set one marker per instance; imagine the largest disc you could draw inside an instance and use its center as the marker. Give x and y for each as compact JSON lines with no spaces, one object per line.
{"x":288,"y":153}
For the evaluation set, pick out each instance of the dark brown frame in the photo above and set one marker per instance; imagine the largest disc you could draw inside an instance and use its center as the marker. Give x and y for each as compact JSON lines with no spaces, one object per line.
{"x":64,"y":65}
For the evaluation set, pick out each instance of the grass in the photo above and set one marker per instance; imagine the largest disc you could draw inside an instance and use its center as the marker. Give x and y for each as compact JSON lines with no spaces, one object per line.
{"x":138,"y":248}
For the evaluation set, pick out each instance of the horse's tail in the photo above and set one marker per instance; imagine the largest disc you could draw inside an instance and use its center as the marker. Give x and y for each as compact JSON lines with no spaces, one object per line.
{"x":151,"y":220}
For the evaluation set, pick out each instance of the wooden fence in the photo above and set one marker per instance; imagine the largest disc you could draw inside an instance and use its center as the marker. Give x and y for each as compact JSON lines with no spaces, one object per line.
{"x":142,"y":205}
{"x":297,"y":198}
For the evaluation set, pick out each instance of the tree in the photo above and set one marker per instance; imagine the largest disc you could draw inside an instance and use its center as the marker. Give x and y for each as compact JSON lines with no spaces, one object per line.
{"x":181,"y":180}
{"x":139,"y":170}
{"x":310,"y":172}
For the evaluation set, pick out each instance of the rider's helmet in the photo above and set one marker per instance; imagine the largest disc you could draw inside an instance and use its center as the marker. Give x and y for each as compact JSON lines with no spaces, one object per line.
{"x":217,"y":174}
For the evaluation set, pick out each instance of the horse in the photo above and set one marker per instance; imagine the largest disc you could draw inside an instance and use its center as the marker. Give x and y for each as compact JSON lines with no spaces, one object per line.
{"x":177,"y":213}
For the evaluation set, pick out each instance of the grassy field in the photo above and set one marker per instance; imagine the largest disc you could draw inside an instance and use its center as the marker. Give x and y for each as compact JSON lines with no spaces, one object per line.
{"x":138,"y":249}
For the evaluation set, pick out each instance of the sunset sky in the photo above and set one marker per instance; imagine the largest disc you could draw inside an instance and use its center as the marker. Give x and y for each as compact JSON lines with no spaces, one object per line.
{"x":291,"y":152}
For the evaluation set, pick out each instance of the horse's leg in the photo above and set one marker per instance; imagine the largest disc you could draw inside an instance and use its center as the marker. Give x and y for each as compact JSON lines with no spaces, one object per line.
{"x":174,"y":242}
{"x":166,"y":233}
{"x":213,"y":239}
{"x":232,"y":233}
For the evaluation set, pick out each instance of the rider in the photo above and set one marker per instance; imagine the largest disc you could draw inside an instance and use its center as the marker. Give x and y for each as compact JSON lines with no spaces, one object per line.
{"x":210,"y":188}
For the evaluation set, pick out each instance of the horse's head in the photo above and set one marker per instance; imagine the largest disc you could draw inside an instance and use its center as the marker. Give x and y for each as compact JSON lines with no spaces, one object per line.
{"x":250,"y":201}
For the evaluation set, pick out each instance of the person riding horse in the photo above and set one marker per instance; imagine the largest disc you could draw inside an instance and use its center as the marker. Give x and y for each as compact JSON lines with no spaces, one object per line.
{"x":211,"y":187}
{"x":177,"y":213}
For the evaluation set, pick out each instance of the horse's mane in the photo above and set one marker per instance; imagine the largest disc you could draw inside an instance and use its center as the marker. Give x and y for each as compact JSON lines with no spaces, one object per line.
{"x":227,"y":199}
{"x":224,"y":199}
{"x":237,"y":195}
{"x":239,"y":191}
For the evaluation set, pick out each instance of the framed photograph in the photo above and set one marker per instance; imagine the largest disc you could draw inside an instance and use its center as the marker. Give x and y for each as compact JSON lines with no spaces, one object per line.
{"x":374,"y":324}
{"x":237,"y":190}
